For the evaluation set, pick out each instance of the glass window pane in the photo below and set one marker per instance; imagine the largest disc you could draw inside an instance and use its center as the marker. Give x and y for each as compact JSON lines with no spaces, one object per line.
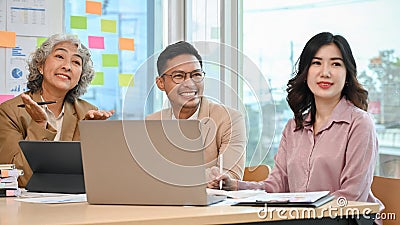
{"x":274,"y":33}
{"x":203,"y":23}
{"x":120,"y":39}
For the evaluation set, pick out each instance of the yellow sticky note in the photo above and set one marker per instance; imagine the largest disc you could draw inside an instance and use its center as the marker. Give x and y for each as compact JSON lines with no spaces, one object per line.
{"x":8,"y":39}
{"x":39,"y":41}
{"x":109,"y":60}
{"x":125,"y":80}
{"x":126,"y":44}
{"x":98,"y":79}
{"x":93,"y":7}
{"x":109,"y":26}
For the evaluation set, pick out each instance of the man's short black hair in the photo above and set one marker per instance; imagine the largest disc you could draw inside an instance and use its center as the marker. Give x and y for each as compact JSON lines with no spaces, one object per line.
{"x":173,"y":50}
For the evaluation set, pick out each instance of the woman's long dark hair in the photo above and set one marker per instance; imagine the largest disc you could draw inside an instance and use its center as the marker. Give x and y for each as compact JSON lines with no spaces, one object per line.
{"x":300,"y":97}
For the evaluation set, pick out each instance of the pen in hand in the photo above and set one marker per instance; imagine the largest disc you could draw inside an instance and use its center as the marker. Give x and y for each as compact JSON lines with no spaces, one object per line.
{"x":39,"y":103}
{"x":220,"y":170}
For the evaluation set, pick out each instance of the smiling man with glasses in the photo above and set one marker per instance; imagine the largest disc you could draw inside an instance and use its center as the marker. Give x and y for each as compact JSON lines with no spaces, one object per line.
{"x":181,"y":76}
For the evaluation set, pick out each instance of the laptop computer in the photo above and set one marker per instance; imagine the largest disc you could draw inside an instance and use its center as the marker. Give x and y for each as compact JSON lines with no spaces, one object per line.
{"x":144,"y":162}
{"x":56,"y":166}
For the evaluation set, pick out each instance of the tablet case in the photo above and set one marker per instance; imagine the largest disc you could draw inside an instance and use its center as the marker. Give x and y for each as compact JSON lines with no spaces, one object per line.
{"x":56,"y":166}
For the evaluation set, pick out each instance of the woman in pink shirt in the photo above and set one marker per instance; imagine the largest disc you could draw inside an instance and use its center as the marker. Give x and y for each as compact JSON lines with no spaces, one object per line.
{"x":331,"y":143}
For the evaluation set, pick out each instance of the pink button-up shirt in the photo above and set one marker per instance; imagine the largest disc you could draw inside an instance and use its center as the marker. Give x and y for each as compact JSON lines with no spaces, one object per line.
{"x":340,"y":158}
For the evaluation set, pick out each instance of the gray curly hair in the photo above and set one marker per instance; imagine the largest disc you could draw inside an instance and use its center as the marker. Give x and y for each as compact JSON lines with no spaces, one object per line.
{"x":38,"y":58}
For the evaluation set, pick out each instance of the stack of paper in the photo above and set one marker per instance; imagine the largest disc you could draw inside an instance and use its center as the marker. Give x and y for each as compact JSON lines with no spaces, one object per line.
{"x":260,"y":198}
{"x":242,"y":194}
{"x":9,"y":180}
{"x":297,"y":199}
{"x":40,"y":197}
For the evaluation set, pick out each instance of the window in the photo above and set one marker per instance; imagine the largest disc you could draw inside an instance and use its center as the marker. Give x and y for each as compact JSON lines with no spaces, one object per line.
{"x":121,"y":36}
{"x":232,"y":77}
{"x":274,"y":33}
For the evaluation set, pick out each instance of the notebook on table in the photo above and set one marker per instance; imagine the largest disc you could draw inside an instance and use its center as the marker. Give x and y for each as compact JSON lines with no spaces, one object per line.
{"x":56,"y":166}
{"x":143,"y":162}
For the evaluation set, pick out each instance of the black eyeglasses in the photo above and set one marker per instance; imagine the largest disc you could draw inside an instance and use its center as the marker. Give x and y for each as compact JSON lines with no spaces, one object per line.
{"x":180,"y":76}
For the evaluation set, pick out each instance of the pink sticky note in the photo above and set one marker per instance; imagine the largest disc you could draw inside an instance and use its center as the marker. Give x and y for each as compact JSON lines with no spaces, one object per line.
{"x":96,"y":42}
{"x":4,"y":98}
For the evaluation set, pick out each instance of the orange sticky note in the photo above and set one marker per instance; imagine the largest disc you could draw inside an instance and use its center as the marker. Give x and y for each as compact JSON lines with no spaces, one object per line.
{"x":8,"y":39}
{"x":126,"y":44}
{"x":93,"y":7}
{"x":4,"y":173}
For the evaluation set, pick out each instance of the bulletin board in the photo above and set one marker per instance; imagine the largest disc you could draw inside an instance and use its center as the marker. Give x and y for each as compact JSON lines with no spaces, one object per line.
{"x":24,"y":25}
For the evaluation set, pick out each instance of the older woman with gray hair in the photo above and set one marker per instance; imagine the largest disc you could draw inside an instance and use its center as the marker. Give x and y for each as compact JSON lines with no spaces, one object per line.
{"x":60,"y":71}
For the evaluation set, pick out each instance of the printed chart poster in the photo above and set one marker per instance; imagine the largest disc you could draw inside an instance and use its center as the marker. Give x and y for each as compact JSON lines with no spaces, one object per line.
{"x":16,"y":64}
{"x":2,"y":66}
{"x":3,"y":11}
{"x":28,"y":17}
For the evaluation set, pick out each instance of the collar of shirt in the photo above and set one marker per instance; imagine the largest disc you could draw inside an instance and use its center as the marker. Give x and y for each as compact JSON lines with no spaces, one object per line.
{"x":49,"y":111}
{"x":55,"y":122}
{"x":51,"y":114}
{"x":341,"y":113}
{"x":192,"y":117}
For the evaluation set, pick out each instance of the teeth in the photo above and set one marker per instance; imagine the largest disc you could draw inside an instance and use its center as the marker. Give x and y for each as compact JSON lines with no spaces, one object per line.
{"x":188,"y":93}
{"x":62,"y":76}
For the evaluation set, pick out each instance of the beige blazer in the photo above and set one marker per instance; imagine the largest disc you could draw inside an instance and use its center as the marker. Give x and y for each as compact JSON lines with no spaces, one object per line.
{"x":16,"y":124}
{"x":223,"y":130}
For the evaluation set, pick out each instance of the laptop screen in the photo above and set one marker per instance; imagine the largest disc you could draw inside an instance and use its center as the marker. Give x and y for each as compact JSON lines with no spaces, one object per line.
{"x":145,"y":162}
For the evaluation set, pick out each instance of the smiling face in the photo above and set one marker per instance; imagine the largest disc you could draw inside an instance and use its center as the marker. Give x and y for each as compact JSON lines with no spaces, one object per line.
{"x":62,"y":68}
{"x":327,"y":74}
{"x":186,"y":95}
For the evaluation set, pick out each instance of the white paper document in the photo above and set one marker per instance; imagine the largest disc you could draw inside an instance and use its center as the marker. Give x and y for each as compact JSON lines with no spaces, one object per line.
{"x":261,"y":195}
{"x":3,"y":11}
{"x":28,"y":17}
{"x":296,"y":196}
{"x":235,"y":194}
{"x":54,"y":199}
{"x":16,"y":69}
